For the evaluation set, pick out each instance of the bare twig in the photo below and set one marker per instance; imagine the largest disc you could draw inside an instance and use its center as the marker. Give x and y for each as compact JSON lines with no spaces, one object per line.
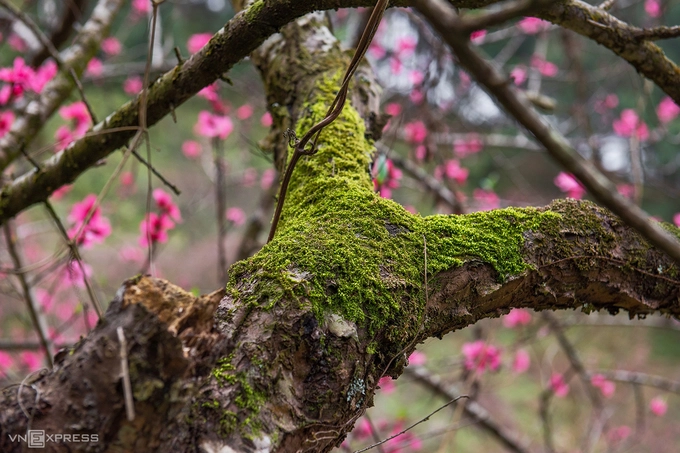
{"x":220,"y":209}
{"x":472,"y":409}
{"x":413,"y":425}
{"x":39,"y":323}
{"x":127,"y":386}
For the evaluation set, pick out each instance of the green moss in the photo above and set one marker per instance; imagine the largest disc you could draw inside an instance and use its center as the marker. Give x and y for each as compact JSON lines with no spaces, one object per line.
{"x":252,"y":12}
{"x":248,"y":400}
{"x":346,"y":250}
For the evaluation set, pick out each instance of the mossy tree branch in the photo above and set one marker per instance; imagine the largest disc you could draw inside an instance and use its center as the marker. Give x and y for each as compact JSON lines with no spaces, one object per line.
{"x":289,"y":355}
{"x":241,"y":36}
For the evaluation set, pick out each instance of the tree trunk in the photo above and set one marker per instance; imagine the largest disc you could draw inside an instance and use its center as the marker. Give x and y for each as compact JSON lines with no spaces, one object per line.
{"x":288,"y":356}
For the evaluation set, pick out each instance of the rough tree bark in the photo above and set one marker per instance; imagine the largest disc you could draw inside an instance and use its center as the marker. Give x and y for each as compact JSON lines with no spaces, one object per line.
{"x":287,"y":356}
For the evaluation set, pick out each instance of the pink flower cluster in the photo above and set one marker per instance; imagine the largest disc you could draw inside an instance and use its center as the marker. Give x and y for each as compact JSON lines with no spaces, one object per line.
{"x":606,"y":387}
{"x":558,"y":385}
{"x":532,"y":25}
{"x":89,"y":226}
{"x":155,"y":226}
{"x":406,"y":442}
{"x":213,"y":126}
{"x":471,"y":144}
{"x":667,"y":110}
{"x":569,"y":185}
{"x":79,"y":117}
{"x":480,"y":356}
{"x":486,"y":199}
{"x":21,"y":78}
{"x":452,"y":170}
{"x":517,"y":317}
{"x":630,"y":124}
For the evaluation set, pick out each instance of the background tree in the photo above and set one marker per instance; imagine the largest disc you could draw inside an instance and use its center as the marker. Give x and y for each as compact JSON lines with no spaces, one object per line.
{"x":289,"y":355}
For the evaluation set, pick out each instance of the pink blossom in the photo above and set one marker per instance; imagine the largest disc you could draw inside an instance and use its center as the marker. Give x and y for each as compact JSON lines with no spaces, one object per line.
{"x":32,"y":360}
{"x":402,"y":443}
{"x":244,"y":112}
{"x":77,"y":112}
{"x":627,"y":190}
{"x":559,"y":387}
{"x":191,"y":149}
{"x":44,"y":298}
{"x":155,"y":228}
{"x":545,"y":67}
{"x":363,"y":429}
{"x":6,"y":121}
{"x":667,"y":110}
{"x":486,"y":199}
{"x":416,"y":96}
{"x":60,"y":192}
{"x":209,"y":125}
{"x":97,"y":227}
{"x":17,"y":43}
{"x":166,"y":205}
{"x":479,"y":356}
{"x":6,"y":362}
{"x":210,"y":93}
{"x":63,"y":136}
{"x":415,"y":132}
{"x":611,"y":101}
{"x":133,"y":85}
{"x":266,"y":119}
{"x":517,"y":317}
{"x":20,"y":74}
{"x":421,"y":152}
{"x":658,"y":406}
{"x":653,"y":8}
{"x":518,"y":74}
{"x":470,"y":145}
{"x":453,"y":170}
{"x":95,"y":67}
{"x":676,"y":219}
{"x":416,"y":77}
{"x":267,"y":178}
{"x":406,"y":45}
{"x":477,"y":36}
{"x":569,"y":185}
{"x":619,"y":434}
{"x":521,"y":362}
{"x":386,"y":384}
{"x":249,"y":177}
{"x":395,"y":65}
{"x":197,"y":41}
{"x":606,"y":387}
{"x":629,"y":124}
{"x":127,"y":178}
{"x":141,"y":6}
{"x":376,"y":51}
{"x":44,"y":74}
{"x":532,"y":25}
{"x":393,"y":109}
{"x":111,"y":46}
{"x":236,"y":216}
{"x":417,"y":358}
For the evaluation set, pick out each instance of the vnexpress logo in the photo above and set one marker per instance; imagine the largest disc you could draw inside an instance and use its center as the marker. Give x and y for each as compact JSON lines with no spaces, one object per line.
{"x":37,"y":438}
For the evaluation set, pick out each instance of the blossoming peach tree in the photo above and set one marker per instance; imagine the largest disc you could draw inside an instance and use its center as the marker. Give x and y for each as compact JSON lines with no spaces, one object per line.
{"x":405,"y":216}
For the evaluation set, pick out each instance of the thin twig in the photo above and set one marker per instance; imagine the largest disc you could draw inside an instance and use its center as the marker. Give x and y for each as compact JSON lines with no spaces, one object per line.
{"x":75,"y":253}
{"x":220,"y":209}
{"x":333,"y":111}
{"x":39,"y":323}
{"x":127,"y":386}
{"x":423,"y":420}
